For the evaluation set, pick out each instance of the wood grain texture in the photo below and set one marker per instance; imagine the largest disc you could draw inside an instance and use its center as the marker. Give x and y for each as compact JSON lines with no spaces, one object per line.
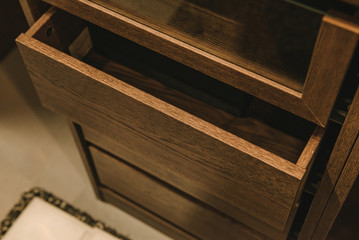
{"x":149,"y":85}
{"x":342,"y":188}
{"x":306,"y":105}
{"x":166,"y":202}
{"x":306,"y":160}
{"x":174,"y":133}
{"x":272,"y":38}
{"x":113,"y":145}
{"x":249,"y":128}
{"x":53,"y":29}
{"x":338,"y":157}
{"x":350,"y":138}
{"x":325,"y":78}
{"x":307,"y":155}
{"x":209,"y":64}
{"x":143,"y":214}
{"x":44,"y":30}
{"x":82,"y":146}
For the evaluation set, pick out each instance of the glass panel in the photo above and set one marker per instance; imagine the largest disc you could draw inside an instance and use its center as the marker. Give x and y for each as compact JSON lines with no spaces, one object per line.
{"x":273,"y":38}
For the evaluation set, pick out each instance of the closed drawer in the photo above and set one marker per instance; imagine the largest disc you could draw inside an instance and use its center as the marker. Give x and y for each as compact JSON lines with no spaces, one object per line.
{"x":254,"y":165}
{"x":280,"y":52}
{"x":155,"y":196}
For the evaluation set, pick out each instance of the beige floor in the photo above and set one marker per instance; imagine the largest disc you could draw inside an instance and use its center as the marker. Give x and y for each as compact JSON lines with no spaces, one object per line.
{"x":37,"y":149}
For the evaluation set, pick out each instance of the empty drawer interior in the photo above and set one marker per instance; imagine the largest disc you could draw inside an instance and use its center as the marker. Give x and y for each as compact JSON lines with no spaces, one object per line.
{"x":230,"y":109}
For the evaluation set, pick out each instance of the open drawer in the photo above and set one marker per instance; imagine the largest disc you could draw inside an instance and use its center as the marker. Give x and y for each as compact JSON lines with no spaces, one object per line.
{"x":252,"y":165}
{"x":282,"y":53}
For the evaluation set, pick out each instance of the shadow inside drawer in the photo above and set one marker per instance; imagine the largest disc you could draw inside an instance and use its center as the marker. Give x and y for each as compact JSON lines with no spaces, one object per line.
{"x":215,"y":102}
{"x":258,"y":122}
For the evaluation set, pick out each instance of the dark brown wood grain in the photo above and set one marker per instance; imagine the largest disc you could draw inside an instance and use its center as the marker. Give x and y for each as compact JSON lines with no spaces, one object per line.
{"x":209,"y":64}
{"x":341,"y":190}
{"x":216,"y":116}
{"x":174,"y":133}
{"x":105,"y":140}
{"x":272,"y":38}
{"x":339,"y":155}
{"x":325,"y":77}
{"x":249,"y":170}
{"x":306,"y":104}
{"x":167,"y":203}
{"x":249,"y":128}
{"x":143,"y":214}
{"x":306,"y":160}
{"x":53,"y":29}
{"x":167,"y":133}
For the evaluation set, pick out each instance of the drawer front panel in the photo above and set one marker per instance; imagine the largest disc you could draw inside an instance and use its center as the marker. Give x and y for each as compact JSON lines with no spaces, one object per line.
{"x":141,"y":213}
{"x":237,"y":31}
{"x":207,"y":162}
{"x":165,"y":202}
{"x":322,"y":78}
{"x":170,"y":173}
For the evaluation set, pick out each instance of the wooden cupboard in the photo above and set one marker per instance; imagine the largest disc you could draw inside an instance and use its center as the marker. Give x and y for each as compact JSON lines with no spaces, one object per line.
{"x":184,"y":134}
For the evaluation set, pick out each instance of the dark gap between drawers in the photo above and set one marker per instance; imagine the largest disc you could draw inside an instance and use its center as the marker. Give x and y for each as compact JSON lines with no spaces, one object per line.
{"x":180,"y":195}
{"x":102,"y":187}
{"x":163,"y":183}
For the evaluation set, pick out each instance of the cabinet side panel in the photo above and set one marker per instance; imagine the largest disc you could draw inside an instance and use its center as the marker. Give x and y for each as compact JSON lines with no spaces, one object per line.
{"x":339,"y":155}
